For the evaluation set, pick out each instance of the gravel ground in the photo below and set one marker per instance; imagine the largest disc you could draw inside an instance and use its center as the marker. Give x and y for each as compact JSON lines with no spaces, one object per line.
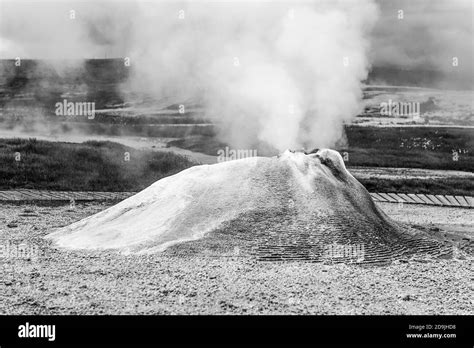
{"x":454,"y":224}
{"x":43,"y":280}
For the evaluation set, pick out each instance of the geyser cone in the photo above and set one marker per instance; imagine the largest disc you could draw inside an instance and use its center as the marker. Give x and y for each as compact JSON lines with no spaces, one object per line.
{"x":294,"y":206}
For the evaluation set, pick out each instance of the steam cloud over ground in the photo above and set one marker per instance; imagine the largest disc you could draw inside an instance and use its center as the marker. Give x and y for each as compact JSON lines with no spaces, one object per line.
{"x":281,"y":74}
{"x":286,"y":76}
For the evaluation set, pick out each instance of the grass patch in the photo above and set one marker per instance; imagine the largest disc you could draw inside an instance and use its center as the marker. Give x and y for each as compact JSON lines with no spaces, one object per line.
{"x":89,"y":166}
{"x":411,"y":147}
{"x":454,"y":186}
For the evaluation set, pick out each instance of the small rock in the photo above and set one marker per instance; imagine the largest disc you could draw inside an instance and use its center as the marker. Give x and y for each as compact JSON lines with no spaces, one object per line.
{"x":421,"y":260}
{"x":408,"y":297}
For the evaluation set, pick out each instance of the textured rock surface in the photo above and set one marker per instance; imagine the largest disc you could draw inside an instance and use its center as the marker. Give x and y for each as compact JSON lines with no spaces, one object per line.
{"x":294,"y":206}
{"x":206,"y":280}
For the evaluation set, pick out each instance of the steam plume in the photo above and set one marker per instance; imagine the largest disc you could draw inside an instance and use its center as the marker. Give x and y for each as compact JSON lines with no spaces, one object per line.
{"x":284,"y":74}
{"x":281,"y":74}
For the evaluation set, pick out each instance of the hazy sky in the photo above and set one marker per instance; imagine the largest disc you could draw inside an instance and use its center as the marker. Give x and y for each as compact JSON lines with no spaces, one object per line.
{"x":431,"y":33}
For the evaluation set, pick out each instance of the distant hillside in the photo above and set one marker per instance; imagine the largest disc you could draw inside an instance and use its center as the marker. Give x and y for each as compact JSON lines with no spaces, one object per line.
{"x":98,"y":75}
{"x":395,"y":76}
{"x":95,"y":79}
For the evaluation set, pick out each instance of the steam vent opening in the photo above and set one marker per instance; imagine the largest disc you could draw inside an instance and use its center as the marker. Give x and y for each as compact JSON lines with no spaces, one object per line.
{"x":295,"y":206}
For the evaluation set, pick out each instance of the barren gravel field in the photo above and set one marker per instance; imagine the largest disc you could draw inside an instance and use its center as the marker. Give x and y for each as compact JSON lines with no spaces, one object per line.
{"x":50,"y":281}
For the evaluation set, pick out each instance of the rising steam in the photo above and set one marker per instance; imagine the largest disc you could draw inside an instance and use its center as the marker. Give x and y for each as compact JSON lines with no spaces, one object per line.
{"x":286,"y":75}
{"x":281,"y":74}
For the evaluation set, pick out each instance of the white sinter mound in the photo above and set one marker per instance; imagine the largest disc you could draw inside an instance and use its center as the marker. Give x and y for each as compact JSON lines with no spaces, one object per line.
{"x":196,"y":201}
